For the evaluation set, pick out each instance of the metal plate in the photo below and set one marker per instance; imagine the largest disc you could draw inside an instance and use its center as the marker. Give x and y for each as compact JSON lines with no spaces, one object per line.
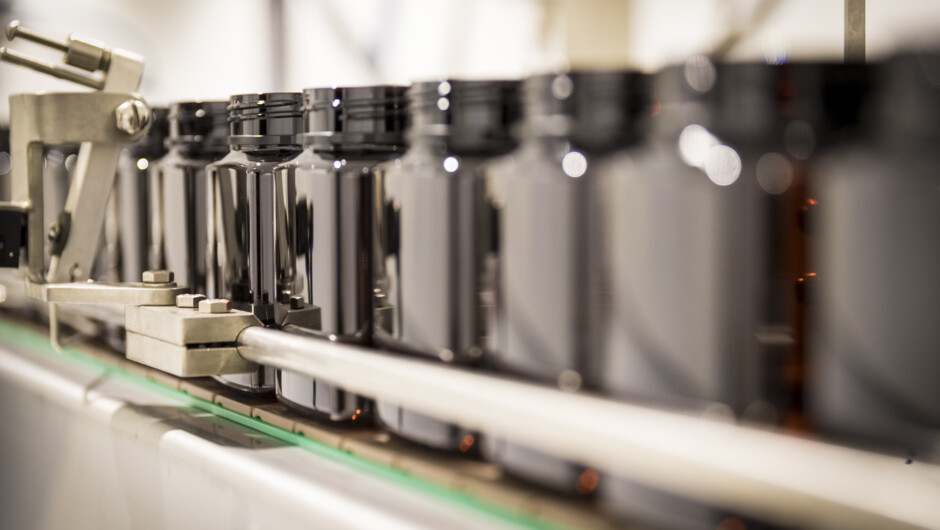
{"x":183,"y":361}
{"x":182,"y":325}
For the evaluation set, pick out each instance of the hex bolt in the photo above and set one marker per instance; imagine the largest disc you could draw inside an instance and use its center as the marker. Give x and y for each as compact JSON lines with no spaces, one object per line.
{"x":297,"y":302}
{"x":189,"y":300}
{"x":157,"y":277}
{"x":132,"y":116}
{"x":54,"y":232}
{"x":215,"y":305}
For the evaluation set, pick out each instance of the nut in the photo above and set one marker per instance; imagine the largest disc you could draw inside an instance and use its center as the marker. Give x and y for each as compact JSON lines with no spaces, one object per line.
{"x":215,"y":305}
{"x":189,"y":300}
{"x":297,"y":302}
{"x":157,"y":277}
{"x":133,"y":116}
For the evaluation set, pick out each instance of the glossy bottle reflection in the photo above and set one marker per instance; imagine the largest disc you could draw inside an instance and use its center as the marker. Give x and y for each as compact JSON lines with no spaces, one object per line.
{"x":699,"y":267}
{"x":241,"y":242}
{"x":546,"y":232}
{"x":128,"y":231}
{"x":436,"y":235}
{"x":324,"y":225}
{"x":198,"y":133}
{"x":877,"y":296}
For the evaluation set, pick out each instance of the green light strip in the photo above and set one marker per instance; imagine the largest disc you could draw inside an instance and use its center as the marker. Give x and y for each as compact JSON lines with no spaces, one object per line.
{"x":39,"y":343}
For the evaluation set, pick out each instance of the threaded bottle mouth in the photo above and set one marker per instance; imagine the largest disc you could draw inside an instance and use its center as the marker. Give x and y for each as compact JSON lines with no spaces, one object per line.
{"x":199,"y":124}
{"x":756,"y":101}
{"x":271,"y":119}
{"x":471,"y":115}
{"x":597,"y":109}
{"x":363,"y":116}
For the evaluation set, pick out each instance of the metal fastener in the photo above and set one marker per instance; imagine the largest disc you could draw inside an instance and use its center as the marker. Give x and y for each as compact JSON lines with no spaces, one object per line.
{"x":297,"y":302}
{"x":157,"y":277}
{"x":132,"y":116}
{"x":215,"y":305}
{"x":189,"y":300}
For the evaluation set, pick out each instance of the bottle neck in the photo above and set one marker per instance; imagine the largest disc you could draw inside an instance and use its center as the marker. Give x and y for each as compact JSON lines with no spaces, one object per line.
{"x":267,"y":152}
{"x":328,"y":146}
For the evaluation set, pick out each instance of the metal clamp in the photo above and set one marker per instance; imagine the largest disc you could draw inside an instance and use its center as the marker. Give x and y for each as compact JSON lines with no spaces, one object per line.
{"x":194,"y":337}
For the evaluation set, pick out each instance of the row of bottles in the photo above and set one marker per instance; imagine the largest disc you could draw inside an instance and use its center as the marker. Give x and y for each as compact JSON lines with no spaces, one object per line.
{"x":741,"y":241}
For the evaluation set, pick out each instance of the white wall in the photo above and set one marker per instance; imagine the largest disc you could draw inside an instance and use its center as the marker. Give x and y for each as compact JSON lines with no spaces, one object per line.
{"x":213,"y":48}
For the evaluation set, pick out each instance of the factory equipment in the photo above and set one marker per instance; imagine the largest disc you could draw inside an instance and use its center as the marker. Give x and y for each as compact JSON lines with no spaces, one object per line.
{"x":617,"y":285}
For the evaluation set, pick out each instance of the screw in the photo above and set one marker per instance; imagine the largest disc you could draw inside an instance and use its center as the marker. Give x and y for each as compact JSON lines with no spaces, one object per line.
{"x":157,"y":277}
{"x":132,"y":116}
{"x":189,"y":300}
{"x":215,"y":305}
{"x":297,"y":302}
{"x":54,"y":232}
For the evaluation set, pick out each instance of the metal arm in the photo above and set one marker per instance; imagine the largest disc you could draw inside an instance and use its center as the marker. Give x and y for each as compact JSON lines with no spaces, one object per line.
{"x":101,"y":122}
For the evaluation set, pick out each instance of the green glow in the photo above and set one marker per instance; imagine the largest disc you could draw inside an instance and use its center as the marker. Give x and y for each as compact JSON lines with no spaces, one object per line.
{"x":38,"y":343}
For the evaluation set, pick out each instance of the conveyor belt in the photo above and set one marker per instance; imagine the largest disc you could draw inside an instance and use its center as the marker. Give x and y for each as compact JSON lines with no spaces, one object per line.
{"x":458,"y":479}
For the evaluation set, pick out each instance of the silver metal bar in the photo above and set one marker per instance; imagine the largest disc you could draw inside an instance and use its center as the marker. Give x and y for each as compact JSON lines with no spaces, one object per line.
{"x":15,"y":30}
{"x":854,"y":31}
{"x":104,"y":293}
{"x":92,"y":182}
{"x":770,"y":475}
{"x":15,"y":57}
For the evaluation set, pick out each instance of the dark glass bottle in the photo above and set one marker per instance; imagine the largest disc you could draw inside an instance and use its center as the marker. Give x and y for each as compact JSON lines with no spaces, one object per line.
{"x":697,"y":282}
{"x":876,"y":252}
{"x":703,"y":248}
{"x":241,"y":242}
{"x":324,"y":225}
{"x":436,"y":235}
{"x":129,"y":228}
{"x":546,"y":234}
{"x":198,"y":135}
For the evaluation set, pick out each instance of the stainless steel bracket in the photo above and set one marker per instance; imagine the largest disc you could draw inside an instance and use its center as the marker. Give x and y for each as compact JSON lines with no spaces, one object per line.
{"x":128,"y":294}
{"x":102,"y":122}
{"x":185,"y":341}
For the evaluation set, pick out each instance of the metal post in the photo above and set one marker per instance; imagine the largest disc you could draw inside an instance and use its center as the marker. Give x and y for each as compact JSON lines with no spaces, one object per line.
{"x":854,"y":31}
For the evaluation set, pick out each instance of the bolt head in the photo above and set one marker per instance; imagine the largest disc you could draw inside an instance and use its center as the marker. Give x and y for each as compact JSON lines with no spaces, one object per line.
{"x":189,"y":300}
{"x":215,"y":305}
{"x":157,"y":277}
{"x":297,"y":302}
{"x":132,"y":116}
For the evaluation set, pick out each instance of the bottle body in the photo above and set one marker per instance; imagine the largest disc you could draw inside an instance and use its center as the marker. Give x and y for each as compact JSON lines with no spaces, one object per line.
{"x":178,"y":223}
{"x":541,"y":311}
{"x":241,"y":244}
{"x":702,"y":251}
{"x":876,"y":298}
{"x":436,"y":235}
{"x":324,"y":233}
{"x":135,"y":173}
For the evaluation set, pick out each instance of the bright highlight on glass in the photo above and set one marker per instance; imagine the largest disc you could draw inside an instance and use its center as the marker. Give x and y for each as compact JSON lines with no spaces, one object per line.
{"x":142,"y":163}
{"x":574,"y":164}
{"x":451,"y":164}
{"x":722,"y":165}
{"x":694,"y":143}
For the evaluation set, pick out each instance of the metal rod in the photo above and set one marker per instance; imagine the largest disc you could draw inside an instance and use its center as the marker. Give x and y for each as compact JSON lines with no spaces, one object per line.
{"x":854,"y":31}
{"x":778,"y":477}
{"x":15,"y":57}
{"x":14,"y":30}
